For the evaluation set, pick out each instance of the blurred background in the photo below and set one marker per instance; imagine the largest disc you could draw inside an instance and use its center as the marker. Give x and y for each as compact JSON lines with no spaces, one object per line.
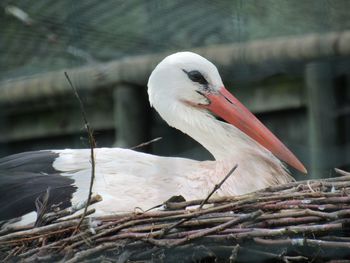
{"x":287,"y":61}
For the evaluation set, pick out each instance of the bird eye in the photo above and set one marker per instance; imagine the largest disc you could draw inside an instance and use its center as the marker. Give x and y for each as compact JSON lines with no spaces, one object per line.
{"x":196,"y":76}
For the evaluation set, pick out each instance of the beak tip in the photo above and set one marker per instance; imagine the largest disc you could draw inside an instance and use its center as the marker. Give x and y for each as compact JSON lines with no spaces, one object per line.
{"x":304,"y":171}
{"x":301,"y":168}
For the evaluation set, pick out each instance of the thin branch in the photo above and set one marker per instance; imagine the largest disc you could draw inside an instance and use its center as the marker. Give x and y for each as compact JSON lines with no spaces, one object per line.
{"x":37,"y":231}
{"x":341,"y":172}
{"x":20,"y":14}
{"x":92,"y":146}
{"x":145,"y":143}
{"x":234,"y":254}
{"x":300,"y":242}
{"x":62,"y":215}
{"x":41,"y":207}
{"x":202,"y":233}
{"x":91,"y":251}
{"x":217,"y":186}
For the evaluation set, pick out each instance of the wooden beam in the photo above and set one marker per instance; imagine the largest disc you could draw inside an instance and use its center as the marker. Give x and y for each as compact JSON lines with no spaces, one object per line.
{"x":321,"y":116}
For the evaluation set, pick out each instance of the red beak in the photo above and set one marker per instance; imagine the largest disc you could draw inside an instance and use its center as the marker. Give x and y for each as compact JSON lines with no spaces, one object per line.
{"x":227,"y":107}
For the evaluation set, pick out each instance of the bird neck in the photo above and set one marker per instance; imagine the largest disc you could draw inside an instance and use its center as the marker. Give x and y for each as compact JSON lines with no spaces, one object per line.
{"x":222,"y":140}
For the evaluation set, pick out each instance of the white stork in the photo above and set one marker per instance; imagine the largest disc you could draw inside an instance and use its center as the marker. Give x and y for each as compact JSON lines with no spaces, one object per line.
{"x":187,"y":91}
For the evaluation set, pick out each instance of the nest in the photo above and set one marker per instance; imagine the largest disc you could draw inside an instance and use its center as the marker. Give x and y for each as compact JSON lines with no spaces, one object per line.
{"x":295,"y":222}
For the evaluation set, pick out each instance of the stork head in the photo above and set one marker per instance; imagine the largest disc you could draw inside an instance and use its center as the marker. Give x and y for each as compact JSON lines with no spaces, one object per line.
{"x":185,"y":83}
{"x":182,"y":78}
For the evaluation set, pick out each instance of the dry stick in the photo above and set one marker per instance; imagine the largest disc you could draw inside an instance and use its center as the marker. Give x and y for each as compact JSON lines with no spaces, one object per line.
{"x":38,"y":230}
{"x":226,"y":231}
{"x":156,"y":230}
{"x":115,"y":219}
{"x":260,"y":196}
{"x":256,"y":203}
{"x":71,"y":239}
{"x":56,"y":244}
{"x":234,"y":254}
{"x":306,"y":212}
{"x":302,"y":242}
{"x":213,"y":221}
{"x":145,"y":143}
{"x":341,"y":172}
{"x":10,"y":254}
{"x":217,"y":186}
{"x":10,"y":229}
{"x":297,"y":183}
{"x":91,"y":251}
{"x":88,"y":212}
{"x":288,"y":221}
{"x":205,"y":232}
{"x":62,"y":214}
{"x":274,"y":256}
{"x":41,"y":207}
{"x":127,"y":223}
{"x":57,"y":227}
{"x":92,"y":146}
{"x":32,"y":238}
{"x":284,"y":231}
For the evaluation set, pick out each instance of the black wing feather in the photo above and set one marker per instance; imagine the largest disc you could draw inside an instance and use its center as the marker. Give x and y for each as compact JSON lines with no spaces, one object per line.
{"x":26,"y":176}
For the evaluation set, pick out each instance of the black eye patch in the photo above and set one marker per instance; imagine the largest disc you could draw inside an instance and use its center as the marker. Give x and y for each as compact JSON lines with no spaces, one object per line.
{"x":196,"y":76}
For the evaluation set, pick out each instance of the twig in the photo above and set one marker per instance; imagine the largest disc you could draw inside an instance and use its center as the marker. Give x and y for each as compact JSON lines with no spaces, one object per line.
{"x":263,"y":255}
{"x":62,"y":214}
{"x":145,"y":143}
{"x":217,"y":186}
{"x":303,"y":242}
{"x":92,"y":146}
{"x":341,"y":172}
{"x":308,"y":185}
{"x":88,"y":212}
{"x":284,"y":231}
{"x":19,"y":14}
{"x":215,"y":229}
{"x":11,"y":254}
{"x":41,"y":207}
{"x":234,"y":254}
{"x":38,"y":231}
{"x":88,"y":252}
